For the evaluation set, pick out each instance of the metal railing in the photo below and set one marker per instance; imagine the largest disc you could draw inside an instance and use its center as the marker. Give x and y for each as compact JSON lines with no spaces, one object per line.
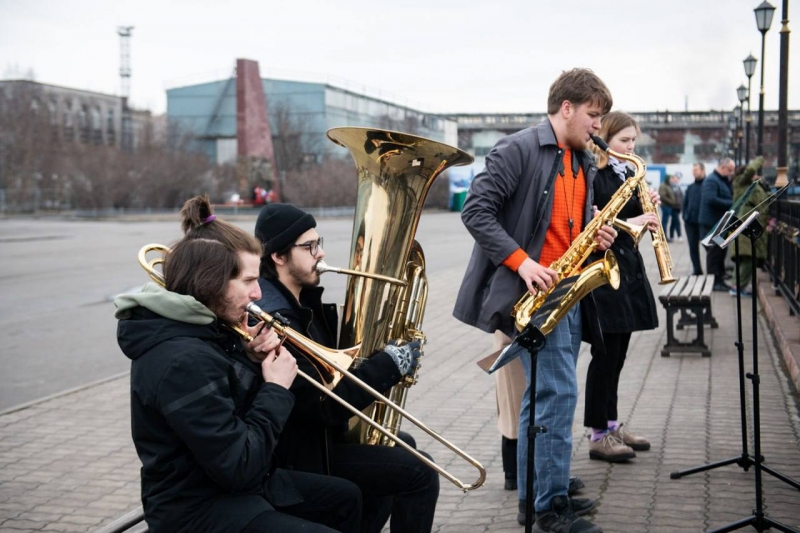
{"x":783,"y":251}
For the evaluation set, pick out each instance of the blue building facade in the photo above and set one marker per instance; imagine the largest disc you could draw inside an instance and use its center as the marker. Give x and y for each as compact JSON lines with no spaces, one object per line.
{"x":208,"y":112}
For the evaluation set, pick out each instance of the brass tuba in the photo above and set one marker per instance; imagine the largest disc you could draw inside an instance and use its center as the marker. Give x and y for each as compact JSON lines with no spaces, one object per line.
{"x":395,"y":172}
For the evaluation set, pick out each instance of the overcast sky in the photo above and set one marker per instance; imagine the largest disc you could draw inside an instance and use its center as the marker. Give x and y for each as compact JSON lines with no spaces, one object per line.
{"x":435,"y":55}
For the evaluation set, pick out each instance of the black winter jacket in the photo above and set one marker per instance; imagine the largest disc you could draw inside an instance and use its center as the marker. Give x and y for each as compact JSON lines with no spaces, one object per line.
{"x":204,"y":423}
{"x":692,"y":201}
{"x":631,"y":307}
{"x":317,"y":420}
{"x":717,"y":197}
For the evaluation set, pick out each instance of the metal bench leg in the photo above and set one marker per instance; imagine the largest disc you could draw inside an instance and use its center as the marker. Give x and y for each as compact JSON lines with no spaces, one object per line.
{"x":700,"y":340}
{"x":671,"y":342}
{"x":709,"y":317}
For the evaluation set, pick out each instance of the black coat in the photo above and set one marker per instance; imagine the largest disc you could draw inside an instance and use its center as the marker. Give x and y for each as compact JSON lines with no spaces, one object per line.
{"x":692,"y":201}
{"x":717,"y":197}
{"x":316,"y":419}
{"x":631,"y":307}
{"x":204,"y":424}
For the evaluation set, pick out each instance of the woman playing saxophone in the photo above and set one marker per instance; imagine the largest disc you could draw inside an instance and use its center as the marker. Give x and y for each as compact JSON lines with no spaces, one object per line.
{"x":631,"y":308}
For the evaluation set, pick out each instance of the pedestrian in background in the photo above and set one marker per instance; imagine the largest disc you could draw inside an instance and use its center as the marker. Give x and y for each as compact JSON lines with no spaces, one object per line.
{"x":675,"y":223}
{"x":691,"y":216}
{"x":717,"y":199}
{"x":668,"y":203}
{"x":748,"y":258}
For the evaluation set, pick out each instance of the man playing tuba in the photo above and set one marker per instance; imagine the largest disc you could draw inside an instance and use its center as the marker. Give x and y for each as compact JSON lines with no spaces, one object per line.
{"x":392,"y":481}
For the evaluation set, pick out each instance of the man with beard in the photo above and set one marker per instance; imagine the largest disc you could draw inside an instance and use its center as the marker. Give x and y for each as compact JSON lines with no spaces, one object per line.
{"x":392,"y":481}
{"x":206,"y":412}
{"x":524,"y":210}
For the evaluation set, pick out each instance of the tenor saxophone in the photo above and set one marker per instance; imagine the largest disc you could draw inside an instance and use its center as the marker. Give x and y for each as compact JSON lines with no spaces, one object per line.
{"x":601,"y":272}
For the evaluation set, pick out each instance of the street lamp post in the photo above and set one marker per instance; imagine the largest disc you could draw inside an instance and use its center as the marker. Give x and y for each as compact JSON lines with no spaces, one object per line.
{"x":783,"y":112}
{"x":737,"y":134}
{"x":733,"y":126}
{"x":764,"y":14}
{"x":749,"y":70}
{"x":741,"y":93}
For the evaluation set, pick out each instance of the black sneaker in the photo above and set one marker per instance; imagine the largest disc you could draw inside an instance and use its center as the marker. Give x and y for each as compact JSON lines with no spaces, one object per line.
{"x":575,"y":485}
{"x":579,"y":506}
{"x":561,"y":519}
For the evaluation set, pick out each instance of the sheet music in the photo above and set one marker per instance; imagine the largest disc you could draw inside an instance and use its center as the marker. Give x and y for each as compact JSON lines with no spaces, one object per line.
{"x":739,"y":229}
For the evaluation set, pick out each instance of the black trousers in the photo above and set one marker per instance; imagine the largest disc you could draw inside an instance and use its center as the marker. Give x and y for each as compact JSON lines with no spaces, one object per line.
{"x":715,"y":259}
{"x":392,"y":481}
{"x":693,"y":237}
{"x":330,"y":504}
{"x":602,"y":380}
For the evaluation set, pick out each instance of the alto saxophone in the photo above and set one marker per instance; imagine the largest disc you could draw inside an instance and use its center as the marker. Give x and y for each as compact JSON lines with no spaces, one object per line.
{"x":571,"y":263}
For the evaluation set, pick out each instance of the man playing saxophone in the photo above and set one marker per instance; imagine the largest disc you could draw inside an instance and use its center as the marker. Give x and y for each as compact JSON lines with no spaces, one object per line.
{"x":392,"y":481}
{"x":524,"y":210}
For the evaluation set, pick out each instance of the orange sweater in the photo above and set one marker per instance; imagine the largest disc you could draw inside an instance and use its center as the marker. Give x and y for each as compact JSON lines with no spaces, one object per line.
{"x":569,"y":197}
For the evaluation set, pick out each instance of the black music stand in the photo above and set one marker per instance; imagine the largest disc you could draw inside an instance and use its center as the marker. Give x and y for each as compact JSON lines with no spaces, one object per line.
{"x":751,"y":228}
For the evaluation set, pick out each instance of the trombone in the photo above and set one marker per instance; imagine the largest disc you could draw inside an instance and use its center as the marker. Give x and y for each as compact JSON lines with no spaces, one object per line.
{"x":337,"y":362}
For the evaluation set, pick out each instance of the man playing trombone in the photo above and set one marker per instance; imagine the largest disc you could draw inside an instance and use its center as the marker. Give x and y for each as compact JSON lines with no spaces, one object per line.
{"x":392,"y":481}
{"x":206,"y":412}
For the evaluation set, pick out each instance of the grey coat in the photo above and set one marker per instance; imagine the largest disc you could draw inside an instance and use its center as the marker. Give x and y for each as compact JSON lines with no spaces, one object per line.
{"x":508,"y":207}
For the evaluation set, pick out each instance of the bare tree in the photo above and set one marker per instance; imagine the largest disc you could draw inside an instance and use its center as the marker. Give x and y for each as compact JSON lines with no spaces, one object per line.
{"x":40,"y":167}
{"x":333,"y":182}
{"x":293,"y":137}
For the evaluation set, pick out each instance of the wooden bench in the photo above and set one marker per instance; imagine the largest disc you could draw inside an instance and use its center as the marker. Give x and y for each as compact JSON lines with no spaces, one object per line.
{"x":132,"y":522}
{"x":692,"y":297}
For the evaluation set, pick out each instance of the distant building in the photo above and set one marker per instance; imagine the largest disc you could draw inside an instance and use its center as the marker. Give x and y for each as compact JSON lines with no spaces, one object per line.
{"x":299,"y":115}
{"x":82,"y":116}
{"x":667,"y":137}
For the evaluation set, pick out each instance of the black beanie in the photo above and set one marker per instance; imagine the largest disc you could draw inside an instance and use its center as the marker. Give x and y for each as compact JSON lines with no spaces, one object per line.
{"x":278,"y":226}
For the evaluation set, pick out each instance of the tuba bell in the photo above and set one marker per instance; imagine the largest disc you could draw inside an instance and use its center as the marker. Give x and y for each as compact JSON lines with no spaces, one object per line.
{"x":395,"y":172}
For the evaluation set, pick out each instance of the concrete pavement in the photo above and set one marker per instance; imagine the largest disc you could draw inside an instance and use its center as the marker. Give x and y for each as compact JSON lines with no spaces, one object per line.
{"x":68,"y":463}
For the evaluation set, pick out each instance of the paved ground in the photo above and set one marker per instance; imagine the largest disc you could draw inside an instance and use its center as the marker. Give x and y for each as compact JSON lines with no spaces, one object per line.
{"x":68,"y":464}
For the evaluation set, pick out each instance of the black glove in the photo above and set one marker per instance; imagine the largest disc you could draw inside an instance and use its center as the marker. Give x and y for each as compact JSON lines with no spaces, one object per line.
{"x":406,"y":357}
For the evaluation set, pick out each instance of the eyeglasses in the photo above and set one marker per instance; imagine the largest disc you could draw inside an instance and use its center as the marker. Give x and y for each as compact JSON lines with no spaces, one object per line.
{"x":313,"y":246}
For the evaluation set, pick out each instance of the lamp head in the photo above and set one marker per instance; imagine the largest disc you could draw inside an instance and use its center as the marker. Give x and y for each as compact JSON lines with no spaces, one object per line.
{"x":750,"y":65}
{"x":741,"y":92}
{"x":764,"y":14}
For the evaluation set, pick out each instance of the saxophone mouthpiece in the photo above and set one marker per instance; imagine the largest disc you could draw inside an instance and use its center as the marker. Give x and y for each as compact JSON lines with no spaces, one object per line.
{"x":599,"y":142}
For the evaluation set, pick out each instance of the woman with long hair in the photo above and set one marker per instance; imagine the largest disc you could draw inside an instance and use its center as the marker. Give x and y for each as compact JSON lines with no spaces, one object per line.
{"x":623,"y":311}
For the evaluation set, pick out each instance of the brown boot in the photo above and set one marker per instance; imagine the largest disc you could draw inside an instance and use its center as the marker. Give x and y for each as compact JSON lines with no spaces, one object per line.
{"x":610,"y":449}
{"x":639,"y":444}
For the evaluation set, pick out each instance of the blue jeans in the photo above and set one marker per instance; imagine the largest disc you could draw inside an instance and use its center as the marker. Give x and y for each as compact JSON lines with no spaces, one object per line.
{"x":675,"y":224}
{"x":666,"y":218}
{"x":693,"y":237}
{"x":556,"y":399}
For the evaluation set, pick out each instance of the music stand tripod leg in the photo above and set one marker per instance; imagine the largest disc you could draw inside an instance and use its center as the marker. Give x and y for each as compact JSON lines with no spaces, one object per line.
{"x":760,"y":521}
{"x":533,"y":340}
{"x":743,"y":460}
